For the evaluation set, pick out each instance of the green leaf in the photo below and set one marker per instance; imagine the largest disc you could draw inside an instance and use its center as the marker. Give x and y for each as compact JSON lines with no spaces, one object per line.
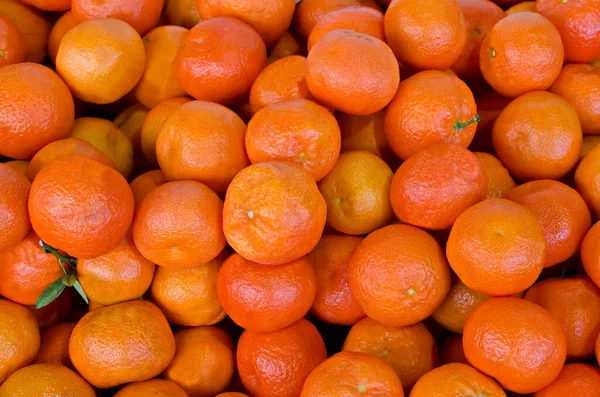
{"x":81,"y":292}
{"x":50,"y":294}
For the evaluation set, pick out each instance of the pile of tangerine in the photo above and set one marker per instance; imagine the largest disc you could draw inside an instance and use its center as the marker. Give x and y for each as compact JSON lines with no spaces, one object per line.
{"x":299,"y":198}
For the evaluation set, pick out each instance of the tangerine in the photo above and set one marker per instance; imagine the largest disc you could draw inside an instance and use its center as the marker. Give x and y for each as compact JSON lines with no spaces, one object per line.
{"x":352,"y":72}
{"x":281,"y":229}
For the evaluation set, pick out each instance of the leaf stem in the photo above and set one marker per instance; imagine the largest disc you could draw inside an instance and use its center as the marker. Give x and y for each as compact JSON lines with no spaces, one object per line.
{"x":459,"y":126}
{"x":69,"y":279}
{"x":61,"y":258}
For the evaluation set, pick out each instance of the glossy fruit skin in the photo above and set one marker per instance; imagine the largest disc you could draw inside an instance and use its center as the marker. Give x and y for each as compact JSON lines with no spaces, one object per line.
{"x":579,"y":25}
{"x":14,"y":224}
{"x":399,"y":275}
{"x":204,"y":362}
{"x":298,"y":131}
{"x":410,"y":351}
{"x":497,"y":247}
{"x":142,"y":15}
{"x":153,"y":124}
{"x":522,"y":53}
{"x":54,"y":345}
{"x":352,"y":372}
{"x":32,"y":24}
{"x":271,"y":19}
{"x":574,"y":302}
{"x":27,"y":271}
{"x":276,"y":364}
{"x":334,"y":302}
{"x":531,"y":345}
{"x":429,"y":108}
{"x":145,"y":183}
{"x":533,"y":145}
{"x":120,"y":275}
{"x":456,"y":380}
{"x":160,"y":388}
{"x":159,"y":81}
{"x":204,"y":142}
{"x":64,"y":147}
{"x":82,"y":60}
{"x":282,"y":80}
{"x":579,"y":84}
{"x":498,"y":178}
{"x":576,"y":379}
{"x":590,"y":253}
{"x":241,"y":282}
{"x":281,"y":229}
{"x":12,"y":43}
{"x":21,"y":335}
{"x":91,"y":212}
{"x":308,"y":13}
{"x":105,"y":136}
{"x":220,"y":59}
{"x":18,"y":165}
{"x":189,"y":296}
{"x":563,"y":215}
{"x":65,"y":23}
{"x":126,"y":342}
{"x":452,"y":314}
{"x":587,"y":180}
{"x":28,"y":91}
{"x":352,"y":72}
{"x":45,"y":380}
{"x":357,"y":192}
{"x":426,"y":34}
{"x":436,"y":184}
{"x":158,"y":225}
{"x":358,"y":19}
{"x":480,"y":17}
